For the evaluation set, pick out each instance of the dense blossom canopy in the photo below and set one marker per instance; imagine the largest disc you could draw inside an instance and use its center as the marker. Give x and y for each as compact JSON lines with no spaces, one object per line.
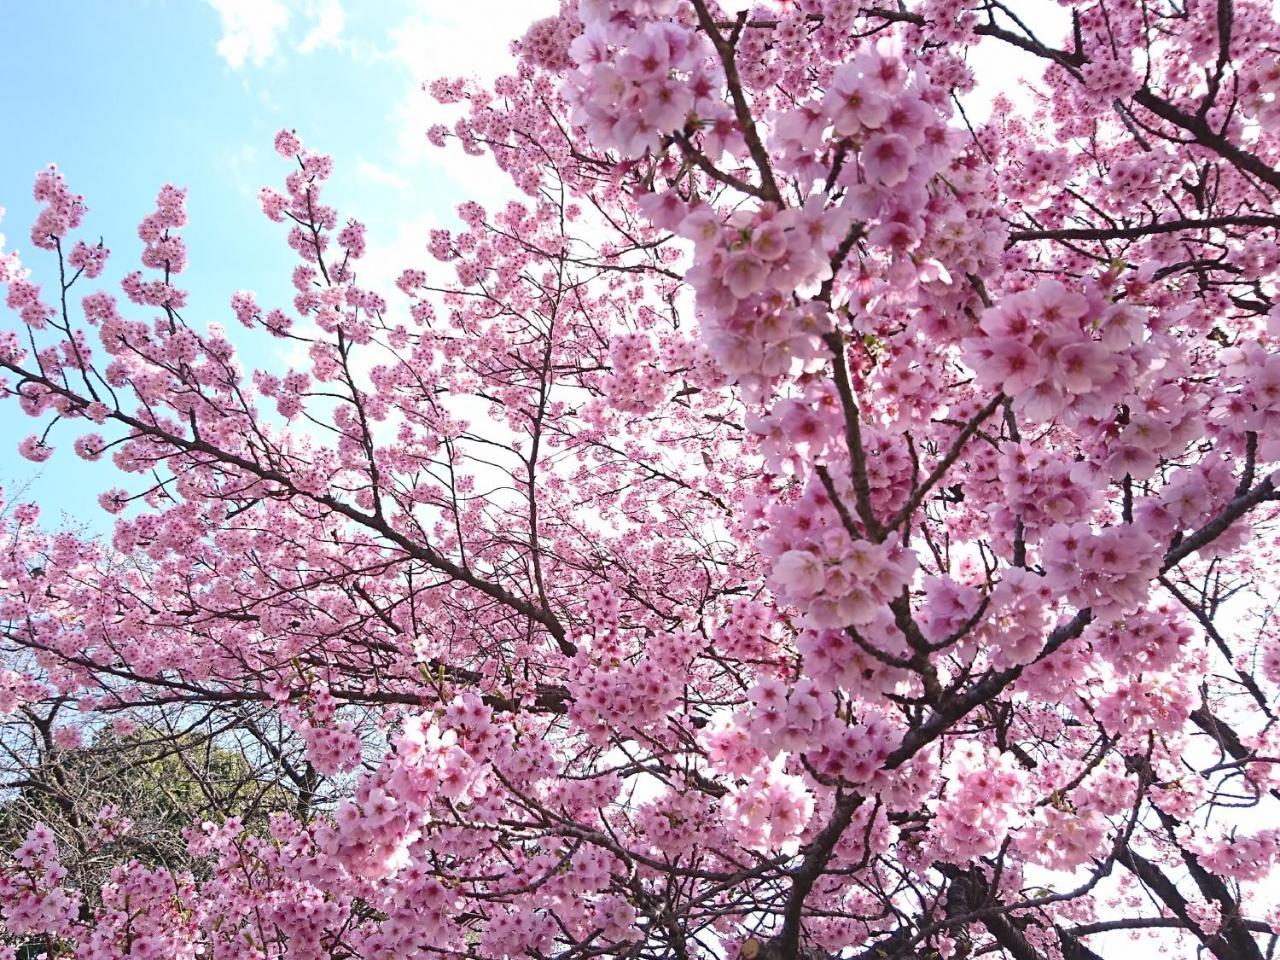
{"x":810,"y":523}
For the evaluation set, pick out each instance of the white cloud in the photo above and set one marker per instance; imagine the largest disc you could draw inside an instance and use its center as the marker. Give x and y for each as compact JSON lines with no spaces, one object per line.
{"x":251,"y":30}
{"x":373,"y":173}
{"x":243,"y":164}
{"x":1000,"y":68}
{"x":329,"y":20}
{"x":470,"y":39}
{"x":395,"y":244}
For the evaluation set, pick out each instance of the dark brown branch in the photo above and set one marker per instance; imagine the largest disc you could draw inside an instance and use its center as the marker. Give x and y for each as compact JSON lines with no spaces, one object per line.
{"x":1151,"y":229}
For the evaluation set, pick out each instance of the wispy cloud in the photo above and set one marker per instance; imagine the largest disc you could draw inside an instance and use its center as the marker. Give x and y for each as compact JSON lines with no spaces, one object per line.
{"x":253,"y":30}
{"x":373,"y":173}
{"x":329,"y":20}
{"x":449,"y":40}
{"x":241,"y":163}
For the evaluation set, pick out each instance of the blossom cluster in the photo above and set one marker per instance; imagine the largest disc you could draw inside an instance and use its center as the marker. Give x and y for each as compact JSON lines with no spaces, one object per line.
{"x":636,"y":84}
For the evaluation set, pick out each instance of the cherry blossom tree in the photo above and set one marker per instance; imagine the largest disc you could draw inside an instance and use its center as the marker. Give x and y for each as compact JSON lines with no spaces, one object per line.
{"x":810,"y":523}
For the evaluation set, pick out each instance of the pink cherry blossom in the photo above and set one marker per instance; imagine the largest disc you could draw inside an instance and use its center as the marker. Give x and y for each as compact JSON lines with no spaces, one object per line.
{"x":821,"y":506}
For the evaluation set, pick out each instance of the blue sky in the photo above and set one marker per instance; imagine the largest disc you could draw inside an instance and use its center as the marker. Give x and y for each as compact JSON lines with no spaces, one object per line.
{"x":125,"y":96}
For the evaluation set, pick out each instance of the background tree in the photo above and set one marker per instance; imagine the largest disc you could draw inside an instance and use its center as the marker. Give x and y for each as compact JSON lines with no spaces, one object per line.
{"x":130,"y":796}
{"x":140,"y":791}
